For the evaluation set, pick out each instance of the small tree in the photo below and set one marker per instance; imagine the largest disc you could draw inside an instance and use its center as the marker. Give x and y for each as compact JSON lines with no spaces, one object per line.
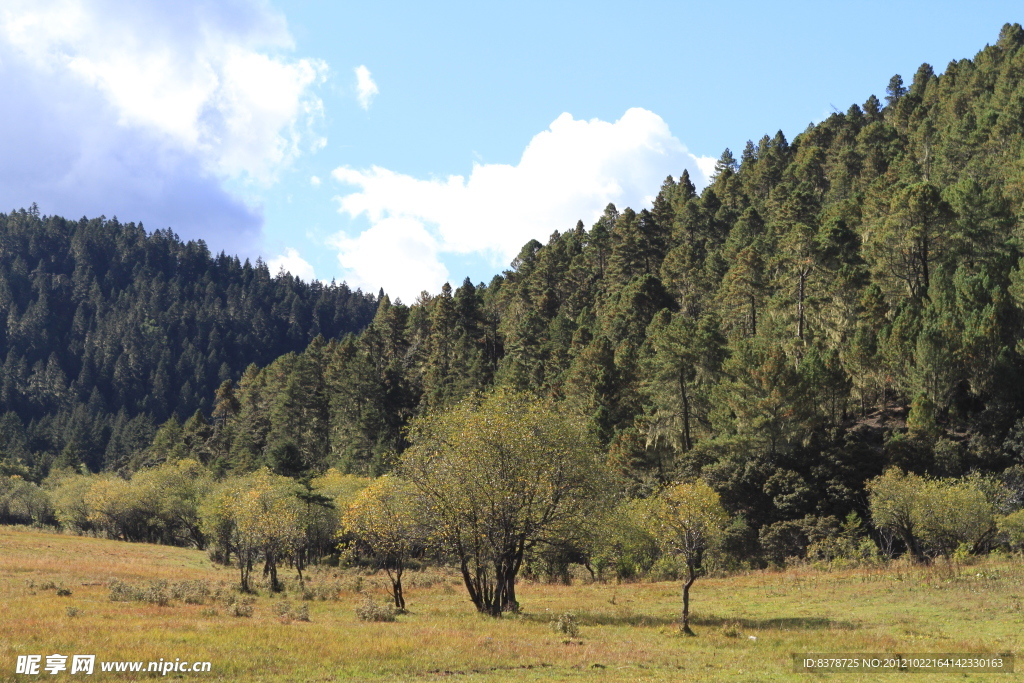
{"x":1012,"y":528}
{"x":68,"y":490}
{"x":498,"y":476}
{"x":893,"y":498}
{"x":385,"y":518}
{"x":951,"y":513}
{"x":326,"y":502}
{"x":688,"y":520}
{"x":255,"y":516}
{"x":938,"y":514}
{"x":180,"y":487}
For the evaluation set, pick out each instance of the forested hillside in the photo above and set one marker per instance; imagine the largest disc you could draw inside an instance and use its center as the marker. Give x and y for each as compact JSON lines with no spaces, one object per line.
{"x":106,"y":331}
{"x":826,"y":308}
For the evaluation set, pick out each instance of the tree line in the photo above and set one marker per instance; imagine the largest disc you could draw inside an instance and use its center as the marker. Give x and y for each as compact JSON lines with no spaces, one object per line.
{"x":498,"y":485}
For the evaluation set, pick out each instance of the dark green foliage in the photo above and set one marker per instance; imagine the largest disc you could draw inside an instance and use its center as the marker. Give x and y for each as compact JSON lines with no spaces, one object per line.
{"x":106,"y":330}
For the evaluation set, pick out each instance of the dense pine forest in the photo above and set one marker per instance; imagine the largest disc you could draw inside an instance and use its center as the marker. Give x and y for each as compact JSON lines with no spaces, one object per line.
{"x":107,"y":331}
{"x":827,"y":308}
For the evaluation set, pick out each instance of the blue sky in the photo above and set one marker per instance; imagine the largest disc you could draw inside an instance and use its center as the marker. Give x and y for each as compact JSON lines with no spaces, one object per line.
{"x":400,"y":145}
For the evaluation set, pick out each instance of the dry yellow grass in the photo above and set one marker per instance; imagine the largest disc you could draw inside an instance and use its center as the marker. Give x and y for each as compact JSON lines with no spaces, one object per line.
{"x":628,"y":632}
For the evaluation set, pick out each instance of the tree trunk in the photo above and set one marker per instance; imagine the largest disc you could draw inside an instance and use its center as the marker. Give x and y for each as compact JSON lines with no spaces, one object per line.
{"x":270,"y":568}
{"x":753,"y":316}
{"x":245,"y":569}
{"x":396,"y":585}
{"x":687,"y":444}
{"x":913,"y":547}
{"x":690,"y":578}
{"x":472,"y":583}
{"x":924,"y":263}
{"x":800,"y":306}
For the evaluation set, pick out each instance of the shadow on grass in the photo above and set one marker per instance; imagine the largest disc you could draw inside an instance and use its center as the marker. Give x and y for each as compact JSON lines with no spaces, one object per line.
{"x":779,"y":624}
{"x":584,"y":618}
{"x":606,"y":619}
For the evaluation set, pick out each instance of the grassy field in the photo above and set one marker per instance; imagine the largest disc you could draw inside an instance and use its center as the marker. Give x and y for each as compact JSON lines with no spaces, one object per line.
{"x":748,"y":625}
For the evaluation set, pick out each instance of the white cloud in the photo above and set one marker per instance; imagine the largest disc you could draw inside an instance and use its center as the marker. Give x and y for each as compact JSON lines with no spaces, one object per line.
{"x":152,"y":110}
{"x":707,"y":165}
{"x":314,"y":181}
{"x":199,"y":76}
{"x":292,"y":262}
{"x":397,"y":254}
{"x":567,"y":173}
{"x":366,"y":88}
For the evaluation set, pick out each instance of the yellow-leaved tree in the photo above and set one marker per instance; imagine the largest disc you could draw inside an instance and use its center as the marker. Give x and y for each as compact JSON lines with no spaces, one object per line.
{"x":258,"y":516}
{"x":500,"y":474}
{"x":688,"y":520}
{"x":386,"y":518}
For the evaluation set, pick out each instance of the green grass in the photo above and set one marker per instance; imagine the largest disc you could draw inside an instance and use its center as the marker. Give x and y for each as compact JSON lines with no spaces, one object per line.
{"x":628,"y":632}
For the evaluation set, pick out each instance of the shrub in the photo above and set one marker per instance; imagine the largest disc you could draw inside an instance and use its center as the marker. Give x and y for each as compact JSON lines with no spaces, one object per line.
{"x":156,"y":593}
{"x":121,"y":591}
{"x":1012,"y":527}
{"x":732,"y":629}
{"x":566,"y":625}
{"x":191,"y":592}
{"x":321,"y":590}
{"x":288,"y":613}
{"x":64,"y":592}
{"x":370,"y":610}
{"x":71,"y":611}
{"x":241,"y":608}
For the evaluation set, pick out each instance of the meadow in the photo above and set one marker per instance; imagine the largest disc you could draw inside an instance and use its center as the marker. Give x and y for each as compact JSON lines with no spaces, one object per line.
{"x":747,"y":624}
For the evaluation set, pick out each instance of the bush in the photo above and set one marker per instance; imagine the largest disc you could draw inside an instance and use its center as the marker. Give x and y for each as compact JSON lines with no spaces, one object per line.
{"x":566,"y":625}
{"x":121,"y":591}
{"x":156,"y":593}
{"x":370,"y":610}
{"x":241,"y":608}
{"x":191,"y":592}
{"x":64,"y":592}
{"x":783,"y":540}
{"x":1012,"y":528}
{"x":666,"y":568}
{"x":326,"y":590}
{"x":732,"y":629}
{"x":287,"y":613}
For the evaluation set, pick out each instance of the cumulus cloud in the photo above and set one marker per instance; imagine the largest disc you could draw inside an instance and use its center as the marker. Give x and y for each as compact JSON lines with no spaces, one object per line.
{"x":145,"y":109}
{"x":292,"y":262}
{"x":396,"y":253}
{"x":707,"y":165}
{"x":366,"y":88}
{"x":568,"y":172}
